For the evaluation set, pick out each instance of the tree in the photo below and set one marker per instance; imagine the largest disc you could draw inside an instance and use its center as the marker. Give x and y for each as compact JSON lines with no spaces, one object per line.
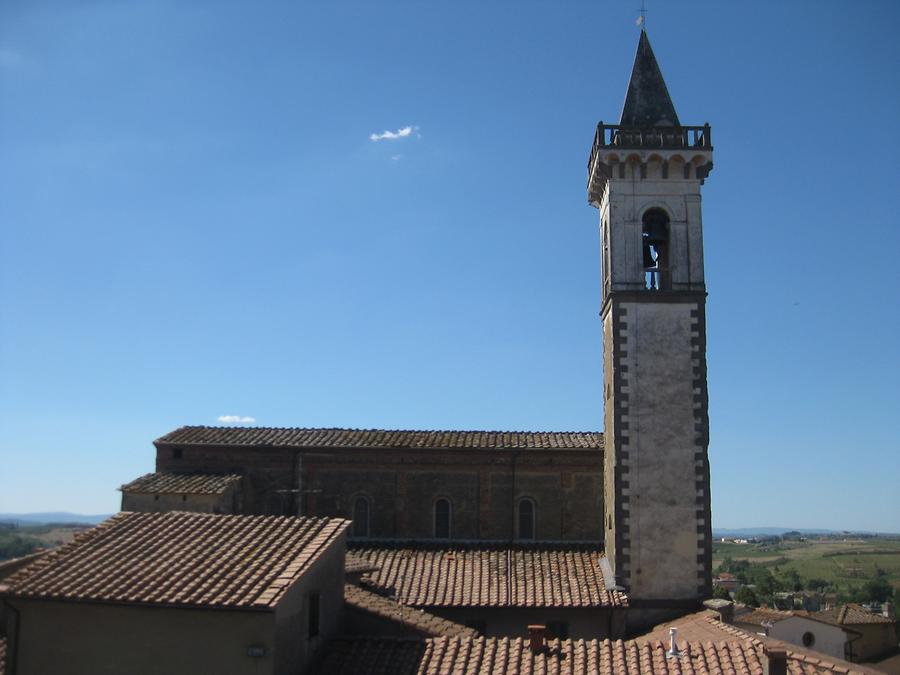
{"x":793,"y":580}
{"x":746,"y":596}
{"x":815,"y":584}
{"x":721,"y":593}
{"x":877,"y":590}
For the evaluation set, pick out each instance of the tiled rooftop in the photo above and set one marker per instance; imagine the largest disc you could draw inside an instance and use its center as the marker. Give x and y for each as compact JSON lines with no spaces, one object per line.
{"x":427,"y":624}
{"x":705,"y":627}
{"x":182,"y":483}
{"x":762,"y":615}
{"x":499,"y":656}
{"x":353,"y":564}
{"x":849,"y":615}
{"x":490,"y":576}
{"x":181,"y":559}
{"x":382,"y":438}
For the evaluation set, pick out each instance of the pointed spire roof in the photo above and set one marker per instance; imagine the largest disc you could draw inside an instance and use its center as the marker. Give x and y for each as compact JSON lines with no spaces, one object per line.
{"x":647,"y":103}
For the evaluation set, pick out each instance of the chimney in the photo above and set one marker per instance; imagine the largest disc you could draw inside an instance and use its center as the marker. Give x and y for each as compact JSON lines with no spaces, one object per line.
{"x":724,"y":608}
{"x":775,"y":661}
{"x":887,"y":609}
{"x":673,"y":643}
{"x":537,"y":633}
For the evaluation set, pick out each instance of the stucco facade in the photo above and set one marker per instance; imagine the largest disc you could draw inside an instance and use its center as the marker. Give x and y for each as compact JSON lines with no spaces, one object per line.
{"x":821,"y":637}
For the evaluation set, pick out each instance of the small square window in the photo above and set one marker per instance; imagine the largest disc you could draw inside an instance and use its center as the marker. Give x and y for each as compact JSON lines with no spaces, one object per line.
{"x":177,"y":453}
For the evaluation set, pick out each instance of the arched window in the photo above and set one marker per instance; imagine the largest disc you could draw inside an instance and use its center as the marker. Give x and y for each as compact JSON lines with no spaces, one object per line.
{"x":360,"y":517}
{"x":443,"y":514}
{"x":655,"y":237}
{"x":526,"y":519}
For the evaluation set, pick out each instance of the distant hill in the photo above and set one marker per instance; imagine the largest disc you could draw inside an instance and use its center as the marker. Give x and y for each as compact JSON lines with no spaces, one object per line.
{"x":767,"y":531}
{"x":52,"y":517}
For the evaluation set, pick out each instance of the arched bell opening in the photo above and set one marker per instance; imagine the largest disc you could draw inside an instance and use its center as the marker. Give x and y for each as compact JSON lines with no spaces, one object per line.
{"x":655,"y":239}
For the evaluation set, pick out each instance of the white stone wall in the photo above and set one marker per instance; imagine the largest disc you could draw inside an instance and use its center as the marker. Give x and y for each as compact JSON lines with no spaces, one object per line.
{"x":827,"y":639}
{"x":660,"y":470}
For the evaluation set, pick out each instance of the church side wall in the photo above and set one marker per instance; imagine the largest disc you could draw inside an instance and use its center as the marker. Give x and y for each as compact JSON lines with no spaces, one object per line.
{"x":484,"y":486}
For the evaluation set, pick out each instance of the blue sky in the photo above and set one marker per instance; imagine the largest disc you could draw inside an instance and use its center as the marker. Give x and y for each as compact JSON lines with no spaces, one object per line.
{"x":196,"y":223}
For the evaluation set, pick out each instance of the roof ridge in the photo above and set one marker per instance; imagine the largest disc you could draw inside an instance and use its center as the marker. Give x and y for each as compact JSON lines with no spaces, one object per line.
{"x":390,"y":430}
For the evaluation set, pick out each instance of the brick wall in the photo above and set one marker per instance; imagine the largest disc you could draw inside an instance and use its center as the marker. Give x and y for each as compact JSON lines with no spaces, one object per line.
{"x":401,"y":486}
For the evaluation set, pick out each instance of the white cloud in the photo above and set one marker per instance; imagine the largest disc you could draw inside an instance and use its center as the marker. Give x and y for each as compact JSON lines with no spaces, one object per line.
{"x":236,"y":419}
{"x":396,"y":158}
{"x":393,"y":135}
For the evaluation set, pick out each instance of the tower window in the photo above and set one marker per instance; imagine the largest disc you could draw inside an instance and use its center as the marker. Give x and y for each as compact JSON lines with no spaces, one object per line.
{"x":526,"y":519}
{"x":361,"y":517}
{"x":442,"y":517}
{"x":177,"y":453}
{"x":655,"y":238}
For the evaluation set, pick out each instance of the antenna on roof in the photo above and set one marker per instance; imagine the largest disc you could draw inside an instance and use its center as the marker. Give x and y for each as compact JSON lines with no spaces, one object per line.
{"x":642,"y":19}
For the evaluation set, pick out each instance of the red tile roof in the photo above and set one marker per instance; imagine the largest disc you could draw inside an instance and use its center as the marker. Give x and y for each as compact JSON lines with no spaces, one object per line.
{"x":182,"y":483}
{"x":428,"y":625}
{"x":705,"y":627}
{"x":498,"y":656}
{"x":181,"y":559}
{"x":382,"y":438}
{"x":762,"y":615}
{"x":491,"y":576}
{"x":849,"y":615}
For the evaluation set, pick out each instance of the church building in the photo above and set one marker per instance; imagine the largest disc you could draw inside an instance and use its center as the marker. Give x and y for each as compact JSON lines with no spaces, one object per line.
{"x":572,"y":529}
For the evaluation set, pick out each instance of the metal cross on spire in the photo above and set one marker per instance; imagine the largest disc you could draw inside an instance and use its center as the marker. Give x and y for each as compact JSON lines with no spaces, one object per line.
{"x":642,"y":19}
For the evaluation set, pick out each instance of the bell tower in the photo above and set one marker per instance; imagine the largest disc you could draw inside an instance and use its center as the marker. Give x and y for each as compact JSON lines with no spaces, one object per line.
{"x":644,"y":176}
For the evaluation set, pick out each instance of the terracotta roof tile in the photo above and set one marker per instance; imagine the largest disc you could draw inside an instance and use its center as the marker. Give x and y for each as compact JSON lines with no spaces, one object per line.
{"x":849,"y":615}
{"x":382,"y":438}
{"x":353,"y":564}
{"x":181,"y":559}
{"x":427,"y":624}
{"x":762,"y":615}
{"x":704,"y":628}
{"x":490,"y":576}
{"x":182,"y":483}
{"x":499,"y":656}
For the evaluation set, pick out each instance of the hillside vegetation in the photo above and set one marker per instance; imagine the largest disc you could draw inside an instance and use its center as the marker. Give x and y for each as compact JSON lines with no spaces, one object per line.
{"x":18,"y":541}
{"x":855,"y":568}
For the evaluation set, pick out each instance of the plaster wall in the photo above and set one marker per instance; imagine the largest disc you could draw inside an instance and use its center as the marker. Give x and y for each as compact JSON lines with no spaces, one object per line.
{"x":92,"y":639}
{"x":828,"y":639}
{"x":294,"y":647}
{"x":876,"y":640}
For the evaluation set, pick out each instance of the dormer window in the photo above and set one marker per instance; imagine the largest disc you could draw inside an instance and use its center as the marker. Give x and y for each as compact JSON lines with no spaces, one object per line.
{"x":655,"y":239}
